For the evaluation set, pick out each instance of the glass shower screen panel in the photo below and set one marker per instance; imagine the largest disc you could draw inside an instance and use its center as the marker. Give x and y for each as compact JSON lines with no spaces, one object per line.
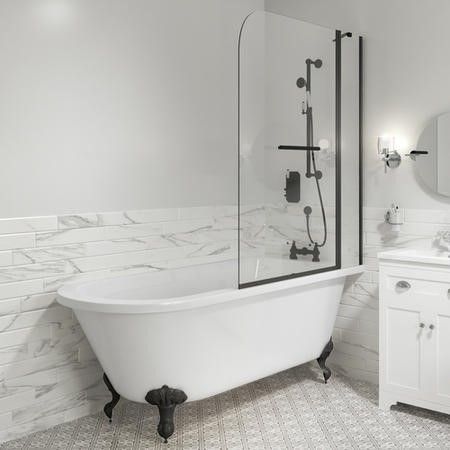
{"x":289,"y":163}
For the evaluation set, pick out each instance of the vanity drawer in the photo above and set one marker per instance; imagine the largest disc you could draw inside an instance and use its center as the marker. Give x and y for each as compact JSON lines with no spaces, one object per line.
{"x":407,"y":285}
{"x":400,"y":286}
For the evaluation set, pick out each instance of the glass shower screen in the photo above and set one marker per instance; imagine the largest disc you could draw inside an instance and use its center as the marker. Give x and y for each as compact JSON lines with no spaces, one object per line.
{"x":291,"y":136}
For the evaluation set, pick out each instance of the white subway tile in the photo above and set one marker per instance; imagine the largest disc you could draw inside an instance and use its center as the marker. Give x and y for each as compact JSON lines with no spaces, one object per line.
{"x":38,"y":410}
{"x":359,"y":313}
{"x":24,"y":335}
{"x":6,"y":258}
{"x":16,"y":398}
{"x":39,"y":317}
{"x":13,"y":241}
{"x":441,"y":217}
{"x":9,"y":306}
{"x":27,"y":224}
{"x":374,"y":213}
{"x":39,"y":301}
{"x":34,"y":271}
{"x":38,"y":424}
{"x":73,"y":236}
{"x":5,"y":420}
{"x":92,"y":220}
{"x":15,"y":353}
{"x":357,"y":350}
{"x":36,"y":365}
{"x":132,"y":258}
{"x":35,"y":380}
{"x":153,"y":215}
{"x":21,"y":288}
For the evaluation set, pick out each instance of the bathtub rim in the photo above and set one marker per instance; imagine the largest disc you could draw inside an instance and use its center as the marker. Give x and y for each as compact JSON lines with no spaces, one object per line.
{"x":69,"y":297}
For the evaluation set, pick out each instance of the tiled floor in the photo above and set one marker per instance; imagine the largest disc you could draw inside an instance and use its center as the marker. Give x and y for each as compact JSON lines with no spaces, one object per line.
{"x":291,"y":410}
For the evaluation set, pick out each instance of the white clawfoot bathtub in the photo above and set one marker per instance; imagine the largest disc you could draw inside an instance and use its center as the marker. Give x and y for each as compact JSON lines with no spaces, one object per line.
{"x":190,"y":329}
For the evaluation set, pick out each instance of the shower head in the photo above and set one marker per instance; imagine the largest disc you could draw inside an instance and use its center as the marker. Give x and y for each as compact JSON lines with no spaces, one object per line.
{"x":317,"y":63}
{"x":301,"y":82}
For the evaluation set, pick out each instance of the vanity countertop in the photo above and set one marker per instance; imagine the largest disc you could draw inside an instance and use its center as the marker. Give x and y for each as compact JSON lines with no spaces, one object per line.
{"x":423,"y":256}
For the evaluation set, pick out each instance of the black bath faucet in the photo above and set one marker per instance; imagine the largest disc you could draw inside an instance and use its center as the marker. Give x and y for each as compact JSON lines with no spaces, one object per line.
{"x":304,"y":251}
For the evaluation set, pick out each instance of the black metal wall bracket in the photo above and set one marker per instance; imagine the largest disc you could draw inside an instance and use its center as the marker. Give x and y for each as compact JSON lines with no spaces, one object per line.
{"x":322,"y":359}
{"x":108,"y":408}
{"x":306,"y":148}
{"x":166,"y":399}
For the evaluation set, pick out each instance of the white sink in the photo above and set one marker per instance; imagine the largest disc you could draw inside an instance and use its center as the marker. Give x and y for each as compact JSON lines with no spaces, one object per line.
{"x":427,"y":256}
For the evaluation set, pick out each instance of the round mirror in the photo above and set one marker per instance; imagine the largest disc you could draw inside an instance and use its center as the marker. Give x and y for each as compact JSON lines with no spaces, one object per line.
{"x":432,"y":157}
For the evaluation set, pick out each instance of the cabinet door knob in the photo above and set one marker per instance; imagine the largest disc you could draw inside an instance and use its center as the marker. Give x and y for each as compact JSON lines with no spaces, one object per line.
{"x":403,"y":285}
{"x":432,"y":327}
{"x":421,"y":325}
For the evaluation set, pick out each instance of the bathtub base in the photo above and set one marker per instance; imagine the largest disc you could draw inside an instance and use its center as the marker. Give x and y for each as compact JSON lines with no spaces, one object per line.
{"x":108,"y":408}
{"x":322,"y":359}
{"x":166,"y":399}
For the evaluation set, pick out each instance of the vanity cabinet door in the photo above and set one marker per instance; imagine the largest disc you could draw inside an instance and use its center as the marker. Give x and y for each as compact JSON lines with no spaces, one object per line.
{"x":439,"y":349}
{"x":403,"y":348}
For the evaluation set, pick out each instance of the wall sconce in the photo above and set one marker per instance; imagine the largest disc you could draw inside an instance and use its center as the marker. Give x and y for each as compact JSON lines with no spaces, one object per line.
{"x":388,"y":153}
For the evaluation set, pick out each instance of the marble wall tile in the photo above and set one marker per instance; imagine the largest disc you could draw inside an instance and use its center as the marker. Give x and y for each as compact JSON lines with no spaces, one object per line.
{"x":6,"y":258}
{"x":36,"y":365}
{"x":40,"y":409}
{"x":15,"y":398}
{"x":24,"y":335}
{"x":13,"y":241}
{"x":22,"y":288}
{"x":36,"y":271}
{"x":76,"y":235}
{"x":27,"y":224}
{"x":39,"y":301}
{"x":53,"y":315}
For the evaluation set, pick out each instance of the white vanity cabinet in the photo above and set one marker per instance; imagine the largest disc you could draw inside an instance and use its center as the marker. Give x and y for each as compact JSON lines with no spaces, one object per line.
{"x":415,"y":330}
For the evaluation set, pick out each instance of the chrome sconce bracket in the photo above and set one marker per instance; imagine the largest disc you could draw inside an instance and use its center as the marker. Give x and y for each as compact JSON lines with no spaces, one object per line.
{"x":392,"y":159}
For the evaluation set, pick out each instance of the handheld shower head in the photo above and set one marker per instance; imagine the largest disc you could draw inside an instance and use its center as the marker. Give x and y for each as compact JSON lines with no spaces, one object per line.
{"x":317,"y":63}
{"x":301,"y":83}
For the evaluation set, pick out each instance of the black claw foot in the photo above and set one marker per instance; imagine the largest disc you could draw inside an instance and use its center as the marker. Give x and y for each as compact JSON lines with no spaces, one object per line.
{"x":108,"y":408}
{"x":323,"y":357}
{"x":166,"y":399}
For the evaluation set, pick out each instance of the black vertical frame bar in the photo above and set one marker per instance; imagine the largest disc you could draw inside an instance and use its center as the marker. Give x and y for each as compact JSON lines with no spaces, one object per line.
{"x":338,"y":203}
{"x":361,"y":149}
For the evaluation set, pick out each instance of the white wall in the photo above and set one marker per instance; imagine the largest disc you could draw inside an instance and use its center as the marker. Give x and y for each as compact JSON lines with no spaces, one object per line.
{"x":113,"y":105}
